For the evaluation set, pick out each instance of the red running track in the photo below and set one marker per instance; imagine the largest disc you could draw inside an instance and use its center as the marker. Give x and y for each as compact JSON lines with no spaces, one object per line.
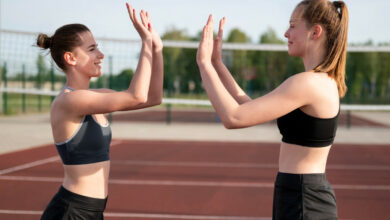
{"x":196,"y":180}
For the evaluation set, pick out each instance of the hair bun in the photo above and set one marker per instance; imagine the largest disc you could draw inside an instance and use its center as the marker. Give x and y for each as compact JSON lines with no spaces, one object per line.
{"x":44,"y":41}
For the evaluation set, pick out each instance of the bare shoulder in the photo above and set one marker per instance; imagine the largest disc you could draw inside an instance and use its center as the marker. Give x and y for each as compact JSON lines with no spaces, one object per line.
{"x":57,"y":106}
{"x":312,"y":81}
{"x":299,"y":83}
{"x":103,"y":90}
{"x":310,"y":86}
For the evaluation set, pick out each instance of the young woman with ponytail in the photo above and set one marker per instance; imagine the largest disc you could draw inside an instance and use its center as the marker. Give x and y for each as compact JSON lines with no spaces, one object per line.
{"x":81,"y":132}
{"x":306,"y":105}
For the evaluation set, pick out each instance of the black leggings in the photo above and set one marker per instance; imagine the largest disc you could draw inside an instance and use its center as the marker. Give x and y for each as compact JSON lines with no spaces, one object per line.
{"x":303,"y":196}
{"x":67,"y":205}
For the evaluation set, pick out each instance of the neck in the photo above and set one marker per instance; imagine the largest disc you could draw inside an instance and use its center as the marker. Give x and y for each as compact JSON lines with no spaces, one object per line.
{"x":76,"y":80}
{"x":313,"y":57}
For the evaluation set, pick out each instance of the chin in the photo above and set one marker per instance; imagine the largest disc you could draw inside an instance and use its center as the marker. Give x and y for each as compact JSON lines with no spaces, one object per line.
{"x":293,"y":54}
{"x":96,"y":74}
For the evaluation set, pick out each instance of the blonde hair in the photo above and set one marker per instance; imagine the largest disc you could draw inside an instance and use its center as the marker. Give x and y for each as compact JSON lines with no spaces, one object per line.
{"x":333,"y":16}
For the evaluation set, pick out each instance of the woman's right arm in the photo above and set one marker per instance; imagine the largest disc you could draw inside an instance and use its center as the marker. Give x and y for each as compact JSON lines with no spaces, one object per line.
{"x":82,"y":102}
{"x":224,"y":74}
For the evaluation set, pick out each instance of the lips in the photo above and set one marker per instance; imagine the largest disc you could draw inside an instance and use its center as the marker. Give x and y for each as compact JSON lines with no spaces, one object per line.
{"x":98,"y":64}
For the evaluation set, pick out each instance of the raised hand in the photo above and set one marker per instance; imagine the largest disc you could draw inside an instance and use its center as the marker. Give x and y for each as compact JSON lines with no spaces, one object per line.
{"x":143,"y":30}
{"x":205,"y":48}
{"x":217,"y":50}
{"x":157,"y":42}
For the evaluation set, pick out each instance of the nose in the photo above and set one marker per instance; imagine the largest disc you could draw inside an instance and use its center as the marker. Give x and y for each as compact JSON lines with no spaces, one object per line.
{"x":286,"y":34}
{"x":101,"y":55}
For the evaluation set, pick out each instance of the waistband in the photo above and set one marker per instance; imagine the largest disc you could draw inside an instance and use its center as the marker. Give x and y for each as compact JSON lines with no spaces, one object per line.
{"x":85,"y":202}
{"x":297,"y":180}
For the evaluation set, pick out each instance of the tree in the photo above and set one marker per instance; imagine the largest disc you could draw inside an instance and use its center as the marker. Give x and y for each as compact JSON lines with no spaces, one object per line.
{"x":273,"y":67}
{"x":42,"y":73}
{"x":171,"y":56}
{"x":237,"y":60}
{"x":122,"y":80}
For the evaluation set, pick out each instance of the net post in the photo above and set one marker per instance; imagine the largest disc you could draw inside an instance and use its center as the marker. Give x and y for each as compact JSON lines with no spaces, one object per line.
{"x":5,"y":101}
{"x":24,"y":87}
{"x":1,"y":69}
{"x":39,"y":85}
{"x":110,"y":83}
{"x":52,"y":78}
{"x":168,"y":116}
{"x":348,"y":119}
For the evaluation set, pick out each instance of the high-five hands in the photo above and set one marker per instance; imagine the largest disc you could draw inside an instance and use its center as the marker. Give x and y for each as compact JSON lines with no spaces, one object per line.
{"x":210,"y":49}
{"x":143,"y":30}
{"x":205,"y":49}
{"x":217,"y":50}
{"x":157,"y":42}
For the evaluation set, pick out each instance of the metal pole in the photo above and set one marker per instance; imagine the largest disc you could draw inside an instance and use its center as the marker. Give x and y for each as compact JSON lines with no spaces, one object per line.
{"x":110,"y":79}
{"x":169,"y":116}
{"x":24,"y":87}
{"x":110,"y":83}
{"x":1,"y":70}
{"x":39,"y":85}
{"x":5,"y":85}
{"x":52,"y":77}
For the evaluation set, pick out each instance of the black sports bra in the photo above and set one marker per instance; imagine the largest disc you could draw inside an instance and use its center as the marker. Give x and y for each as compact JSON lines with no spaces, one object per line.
{"x":89,"y":144}
{"x":302,"y":129}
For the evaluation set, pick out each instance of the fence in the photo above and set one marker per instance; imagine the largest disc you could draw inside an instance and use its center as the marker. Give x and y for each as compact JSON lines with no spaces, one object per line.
{"x":28,"y":76}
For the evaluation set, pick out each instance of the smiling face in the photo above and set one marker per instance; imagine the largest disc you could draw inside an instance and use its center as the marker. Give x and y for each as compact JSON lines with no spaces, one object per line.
{"x":298,"y":34}
{"x":88,"y":57}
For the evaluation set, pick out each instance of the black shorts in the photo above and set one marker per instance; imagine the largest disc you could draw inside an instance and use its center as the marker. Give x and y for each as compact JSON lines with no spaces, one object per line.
{"x":303,"y":196}
{"x":67,"y":205}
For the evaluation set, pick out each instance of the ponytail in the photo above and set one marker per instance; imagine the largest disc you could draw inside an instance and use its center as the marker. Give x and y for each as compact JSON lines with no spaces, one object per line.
{"x":334,"y":17}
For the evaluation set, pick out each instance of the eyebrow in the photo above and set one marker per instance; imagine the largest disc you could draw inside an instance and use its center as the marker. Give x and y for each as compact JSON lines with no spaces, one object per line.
{"x":92,"y":46}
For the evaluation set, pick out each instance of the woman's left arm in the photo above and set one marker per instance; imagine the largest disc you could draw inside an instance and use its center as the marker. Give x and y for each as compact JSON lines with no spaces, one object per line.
{"x":157,"y":79}
{"x":288,"y":96}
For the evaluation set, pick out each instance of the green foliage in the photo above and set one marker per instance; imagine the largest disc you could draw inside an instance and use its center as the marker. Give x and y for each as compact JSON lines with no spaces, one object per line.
{"x":270,"y":37}
{"x":257,"y":72}
{"x":181,"y":73}
{"x":122,"y":80}
{"x":238,"y":60}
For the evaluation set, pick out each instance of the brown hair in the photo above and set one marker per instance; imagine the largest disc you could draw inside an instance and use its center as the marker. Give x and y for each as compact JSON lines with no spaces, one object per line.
{"x":65,"y":39}
{"x":333,"y":16}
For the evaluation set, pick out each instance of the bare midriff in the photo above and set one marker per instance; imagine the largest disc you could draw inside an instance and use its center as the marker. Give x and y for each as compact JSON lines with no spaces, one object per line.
{"x":88,"y":179}
{"x":302,"y":160}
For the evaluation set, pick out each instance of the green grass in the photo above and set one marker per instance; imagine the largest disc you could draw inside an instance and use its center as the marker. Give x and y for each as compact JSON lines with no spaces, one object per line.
{"x":15,"y":103}
{"x":33,"y":104}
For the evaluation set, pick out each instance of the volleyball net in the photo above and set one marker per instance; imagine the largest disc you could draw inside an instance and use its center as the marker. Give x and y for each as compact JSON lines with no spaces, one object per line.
{"x":29,"y":79}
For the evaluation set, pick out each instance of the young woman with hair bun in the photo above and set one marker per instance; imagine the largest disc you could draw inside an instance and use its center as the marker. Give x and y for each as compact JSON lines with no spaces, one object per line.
{"x":81,"y":133}
{"x":306,"y":105}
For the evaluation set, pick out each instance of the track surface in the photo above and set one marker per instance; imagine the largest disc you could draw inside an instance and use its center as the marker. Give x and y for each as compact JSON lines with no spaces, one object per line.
{"x":196,"y":180}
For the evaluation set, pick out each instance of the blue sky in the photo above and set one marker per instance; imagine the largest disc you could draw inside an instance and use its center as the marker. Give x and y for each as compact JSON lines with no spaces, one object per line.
{"x":108,"y":18}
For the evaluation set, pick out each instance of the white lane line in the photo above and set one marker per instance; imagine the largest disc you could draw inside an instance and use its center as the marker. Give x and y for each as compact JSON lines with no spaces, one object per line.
{"x":115,"y":142}
{"x":193,"y":183}
{"x":362,"y":187}
{"x":237,"y":165}
{"x":180,"y":216}
{"x":20,"y":212}
{"x":193,"y":164}
{"x":358,"y":167}
{"x":29,"y":165}
{"x":40,"y":162}
{"x":31,"y":178}
{"x":147,"y":215}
